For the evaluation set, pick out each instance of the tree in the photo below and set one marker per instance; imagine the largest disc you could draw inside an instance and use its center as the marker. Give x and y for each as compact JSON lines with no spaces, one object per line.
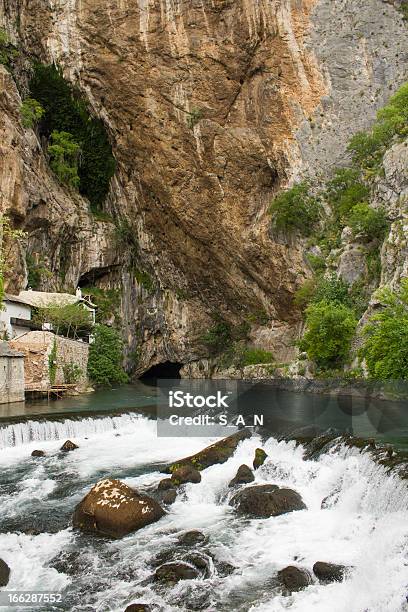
{"x":105,"y":357}
{"x":330,"y":327}
{"x":368,"y":223}
{"x":71,"y":320}
{"x":64,"y":153}
{"x":295,"y":209}
{"x":31,"y":112}
{"x":385,"y":349}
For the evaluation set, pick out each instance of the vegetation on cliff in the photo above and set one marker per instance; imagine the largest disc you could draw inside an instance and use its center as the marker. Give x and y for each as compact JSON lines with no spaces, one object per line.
{"x":65,"y":111}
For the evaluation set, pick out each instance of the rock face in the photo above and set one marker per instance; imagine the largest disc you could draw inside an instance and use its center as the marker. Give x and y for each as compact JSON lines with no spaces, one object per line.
{"x":329,"y":572}
{"x":216,"y":453}
{"x":113,"y":509}
{"x":244,"y":475}
{"x":273,"y":92}
{"x":263,"y":501}
{"x":294,"y":578}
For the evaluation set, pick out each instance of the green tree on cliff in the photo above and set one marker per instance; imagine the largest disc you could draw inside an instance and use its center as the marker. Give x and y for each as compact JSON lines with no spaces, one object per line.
{"x":105,"y":358}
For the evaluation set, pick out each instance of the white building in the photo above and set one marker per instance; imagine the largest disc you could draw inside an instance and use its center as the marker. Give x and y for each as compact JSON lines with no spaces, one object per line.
{"x":16,"y":316}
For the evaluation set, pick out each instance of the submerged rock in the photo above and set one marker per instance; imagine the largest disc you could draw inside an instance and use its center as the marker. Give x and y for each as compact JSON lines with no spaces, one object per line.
{"x":184,"y":474}
{"x":329,"y":572}
{"x":259,"y":458}
{"x":263,"y":501}
{"x":4,"y":573}
{"x":38,"y":453}
{"x":167,"y":497}
{"x":192,"y":538}
{"x":68,"y":446}
{"x":138,"y":607}
{"x":216,"y":453}
{"x":244,"y":475}
{"x":174,"y":571}
{"x":113,"y":509}
{"x":294,"y":578}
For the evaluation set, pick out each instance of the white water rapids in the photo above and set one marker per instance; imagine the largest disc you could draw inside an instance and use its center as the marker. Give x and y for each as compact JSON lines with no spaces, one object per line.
{"x":364,"y":528}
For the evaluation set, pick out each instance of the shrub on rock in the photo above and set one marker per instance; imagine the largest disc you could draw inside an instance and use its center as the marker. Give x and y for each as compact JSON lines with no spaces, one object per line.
{"x":263,"y":501}
{"x":113,"y":509}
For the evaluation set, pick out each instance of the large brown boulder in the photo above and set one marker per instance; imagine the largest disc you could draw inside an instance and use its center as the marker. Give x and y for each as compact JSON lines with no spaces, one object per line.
{"x":113,"y":509}
{"x":262,"y":501}
{"x":184,"y":474}
{"x":244,"y":475}
{"x":329,"y":572}
{"x":216,"y":453}
{"x":4,"y":573}
{"x":294,"y":578}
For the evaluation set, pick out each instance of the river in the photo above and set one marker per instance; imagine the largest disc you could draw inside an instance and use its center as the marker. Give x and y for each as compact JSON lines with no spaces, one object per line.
{"x":365,"y":525}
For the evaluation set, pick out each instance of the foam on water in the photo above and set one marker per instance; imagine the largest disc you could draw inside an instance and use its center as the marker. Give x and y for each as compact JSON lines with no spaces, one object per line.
{"x":364,"y":526}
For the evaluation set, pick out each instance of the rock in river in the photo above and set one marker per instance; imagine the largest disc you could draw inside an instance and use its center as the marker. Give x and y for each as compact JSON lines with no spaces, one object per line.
{"x":244,"y":475}
{"x":68,"y":446}
{"x":113,"y":509}
{"x":216,"y":453}
{"x":175,"y":571}
{"x":294,"y":578}
{"x":329,"y":572}
{"x":138,"y":607}
{"x":262,"y":501}
{"x":259,"y":458}
{"x":4,"y":573}
{"x":192,"y":538}
{"x":184,"y":474}
{"x":38,"y":453}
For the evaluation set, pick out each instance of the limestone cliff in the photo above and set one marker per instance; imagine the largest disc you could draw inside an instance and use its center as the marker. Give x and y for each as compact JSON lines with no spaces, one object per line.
{"x":211,"y":108}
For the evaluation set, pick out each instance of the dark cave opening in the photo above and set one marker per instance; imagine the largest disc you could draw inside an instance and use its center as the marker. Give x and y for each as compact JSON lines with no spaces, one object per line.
{"x":165,"y":370}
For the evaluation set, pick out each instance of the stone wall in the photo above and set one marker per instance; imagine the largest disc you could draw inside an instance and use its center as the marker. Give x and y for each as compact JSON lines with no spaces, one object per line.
{"x":37,"y":347}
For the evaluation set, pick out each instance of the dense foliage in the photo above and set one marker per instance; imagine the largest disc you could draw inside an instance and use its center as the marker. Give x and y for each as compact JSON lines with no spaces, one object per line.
{"x":345,"y":190}
{"x":66,"y":111}
{"x":385,"y":349}
{"x":330,"y":327}
{"x":64,"y":154}
{"x":71,"y":320}
{"x":295,"y":210}
{"x":105,"y":357}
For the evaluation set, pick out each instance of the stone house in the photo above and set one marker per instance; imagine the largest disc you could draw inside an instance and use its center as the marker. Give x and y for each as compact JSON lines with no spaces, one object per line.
{"x":11,"y":374}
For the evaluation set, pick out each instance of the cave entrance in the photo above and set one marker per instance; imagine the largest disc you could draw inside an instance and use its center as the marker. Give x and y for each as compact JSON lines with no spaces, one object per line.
{"x":166,"y":370}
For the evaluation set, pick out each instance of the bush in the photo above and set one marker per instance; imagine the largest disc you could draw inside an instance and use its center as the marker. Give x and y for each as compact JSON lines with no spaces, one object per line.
{"x":31,"y":112}
{"x":255,"y":356}
{"x":66,"y":111}
{"x":385,"y":349}
{"x":218,"y":338}
{"x":368,"y":148}
{"x":316,"y":262}
{"x":295,"y":209}
{"x":330,"y":327}
{"x":107,"y":301}
{"x":72,"y":373}
{"x":105,"y":358}
{"x":368,"y":223}
{"x":70,"y":320}
{"x":64,"y":153}
{"x":323,"y":289}
{"x":345,"y":190}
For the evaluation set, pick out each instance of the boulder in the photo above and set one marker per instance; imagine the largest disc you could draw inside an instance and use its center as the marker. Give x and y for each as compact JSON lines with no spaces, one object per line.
{"x":244,"y":475}
{"x":68,"y":446}
{"x":216,"y":453}
{"x":113,"y":509}
{"x":166,"y":484}
{"x":168,"y":497}
{"x":38,"y":453}
{"x":184,"y":474}
{"x":4,"y":573}
{"x":259,"y":458}
{"x":329,"y":572}
{"x":138,"y":607}
{"x":263,"y":501}
{"x":174,"y":571}
{"x":192,"y":538}
{"x":294,"y":578}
